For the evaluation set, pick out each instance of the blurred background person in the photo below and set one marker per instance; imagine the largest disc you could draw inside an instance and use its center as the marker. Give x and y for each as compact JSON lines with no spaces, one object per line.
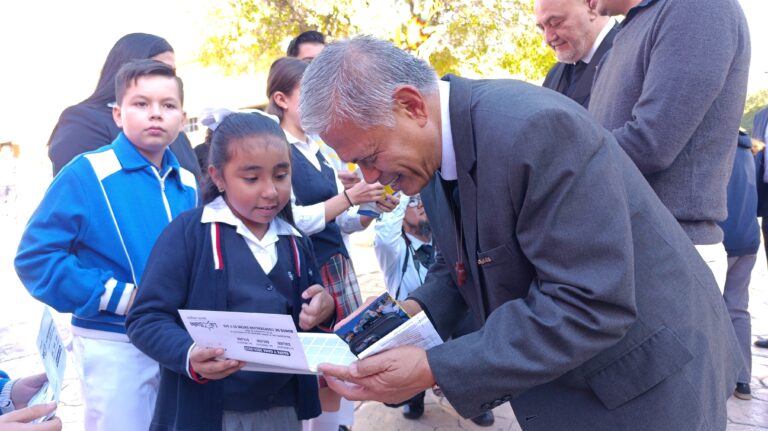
{"x":88,"y":125}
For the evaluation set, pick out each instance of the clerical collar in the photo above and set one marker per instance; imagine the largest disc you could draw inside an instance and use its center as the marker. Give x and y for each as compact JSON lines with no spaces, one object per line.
{"x":603,"y":33}
{"x":448,"y":164}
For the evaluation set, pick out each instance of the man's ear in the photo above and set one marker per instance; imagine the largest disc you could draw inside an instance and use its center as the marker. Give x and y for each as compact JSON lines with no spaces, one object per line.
{"x":412,"y":103}
{"x":116,"y":116}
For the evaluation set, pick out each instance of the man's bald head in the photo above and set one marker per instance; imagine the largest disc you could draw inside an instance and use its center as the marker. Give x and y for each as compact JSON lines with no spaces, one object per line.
{"x":570,"y":27}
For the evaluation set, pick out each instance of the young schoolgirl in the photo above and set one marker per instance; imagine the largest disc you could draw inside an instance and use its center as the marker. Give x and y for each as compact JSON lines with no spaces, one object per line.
{"x":240,"y":252}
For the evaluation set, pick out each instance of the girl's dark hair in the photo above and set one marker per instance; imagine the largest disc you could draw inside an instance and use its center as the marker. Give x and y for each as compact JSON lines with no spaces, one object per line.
{"x":133,"y":46}
{"x":236,"y":126}
{"x":284,"y":76}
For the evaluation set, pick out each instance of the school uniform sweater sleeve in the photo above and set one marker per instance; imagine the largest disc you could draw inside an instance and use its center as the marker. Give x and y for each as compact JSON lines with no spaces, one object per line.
{"x":47,"y":259}
{"x":153,"y":323}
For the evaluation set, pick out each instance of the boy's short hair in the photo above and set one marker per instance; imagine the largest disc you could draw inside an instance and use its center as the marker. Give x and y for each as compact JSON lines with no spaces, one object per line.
{"x":310,"y":36}
{"x":130,"y":72}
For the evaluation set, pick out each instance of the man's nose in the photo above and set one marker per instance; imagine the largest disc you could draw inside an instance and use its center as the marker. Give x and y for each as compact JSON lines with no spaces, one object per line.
{"x":549,"y":35}
{"x":370,"y":174}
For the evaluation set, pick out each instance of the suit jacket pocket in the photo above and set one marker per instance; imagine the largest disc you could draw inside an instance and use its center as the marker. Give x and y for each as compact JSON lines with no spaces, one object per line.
{"x":640,"y":369}
{"x":497,"y":266}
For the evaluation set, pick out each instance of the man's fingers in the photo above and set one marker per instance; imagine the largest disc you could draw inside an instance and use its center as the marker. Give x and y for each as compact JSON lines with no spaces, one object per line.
{"x":351,"y":392}
{"x":338,"y":371}
{"x":369,"y":366}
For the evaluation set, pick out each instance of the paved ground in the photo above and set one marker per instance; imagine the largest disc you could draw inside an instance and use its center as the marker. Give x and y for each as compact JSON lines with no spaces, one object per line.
{"x":20,"y":316}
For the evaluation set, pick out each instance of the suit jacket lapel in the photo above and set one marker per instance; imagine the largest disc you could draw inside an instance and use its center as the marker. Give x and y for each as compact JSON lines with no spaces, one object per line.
{"x":556,"y":81}
{"x":584,"y":87}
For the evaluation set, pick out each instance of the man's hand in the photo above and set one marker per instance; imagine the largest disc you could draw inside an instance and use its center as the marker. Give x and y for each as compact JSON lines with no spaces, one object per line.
{"x":319,"y":309}
{"x":23,"y":389}
{"x":19,"y":420}
{"x":390,"y":377}
{"x":203,"y":361}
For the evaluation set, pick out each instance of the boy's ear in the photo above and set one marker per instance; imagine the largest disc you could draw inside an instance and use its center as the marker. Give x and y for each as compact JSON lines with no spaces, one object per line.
{"x":183,"y":121}
{"x":116,"y":116}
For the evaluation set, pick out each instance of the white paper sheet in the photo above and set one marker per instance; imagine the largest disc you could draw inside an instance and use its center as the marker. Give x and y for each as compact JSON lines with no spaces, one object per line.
{"x":417,"y":331}
{"x":54,"y":357}
{"x":268,"y":342}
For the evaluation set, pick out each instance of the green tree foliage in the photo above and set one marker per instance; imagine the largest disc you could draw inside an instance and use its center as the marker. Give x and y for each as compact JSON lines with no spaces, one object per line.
{"x":755,"y":102}
{"x":480,"y":38}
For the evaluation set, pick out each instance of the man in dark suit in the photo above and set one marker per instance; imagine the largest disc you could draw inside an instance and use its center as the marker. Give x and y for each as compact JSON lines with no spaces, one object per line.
{"x":579,"y":36}
{"x":597,"y":312}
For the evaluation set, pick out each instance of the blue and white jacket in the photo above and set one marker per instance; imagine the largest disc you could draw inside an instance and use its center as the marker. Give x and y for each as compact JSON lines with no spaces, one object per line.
{"x":86,"y":245}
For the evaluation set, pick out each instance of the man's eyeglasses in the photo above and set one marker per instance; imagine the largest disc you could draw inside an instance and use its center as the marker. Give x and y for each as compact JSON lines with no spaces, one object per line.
{"x":415,"y":201}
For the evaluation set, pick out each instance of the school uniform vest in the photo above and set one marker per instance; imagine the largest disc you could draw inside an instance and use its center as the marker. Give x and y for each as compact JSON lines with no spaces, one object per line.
{"x":311,"y":186}
{"x":249,"y":289}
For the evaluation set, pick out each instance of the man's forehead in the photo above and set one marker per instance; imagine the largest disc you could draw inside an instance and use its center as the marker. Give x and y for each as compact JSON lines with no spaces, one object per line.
{"x":349,"y":142}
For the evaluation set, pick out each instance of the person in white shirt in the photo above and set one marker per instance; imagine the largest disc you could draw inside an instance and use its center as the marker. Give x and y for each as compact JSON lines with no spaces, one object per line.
{"x":404,"y":249}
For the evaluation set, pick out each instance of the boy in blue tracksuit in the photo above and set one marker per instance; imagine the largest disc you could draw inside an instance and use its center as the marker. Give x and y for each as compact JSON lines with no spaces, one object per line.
{"x":86,"y":246}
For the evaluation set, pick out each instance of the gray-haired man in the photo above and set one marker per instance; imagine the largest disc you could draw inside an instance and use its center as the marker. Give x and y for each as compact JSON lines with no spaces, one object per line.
{"x":566,"y":255}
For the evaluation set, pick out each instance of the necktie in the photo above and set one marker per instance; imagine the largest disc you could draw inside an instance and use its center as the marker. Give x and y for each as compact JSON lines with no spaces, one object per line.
{"x":425,"y":255}
{"x":576,"y":71}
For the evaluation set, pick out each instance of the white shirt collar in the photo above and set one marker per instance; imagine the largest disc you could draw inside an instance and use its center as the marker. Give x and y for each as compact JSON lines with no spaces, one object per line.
{"x":217,"y":211}
{"x":310,"y":146}
{"x":415,"y":242}
{"x":604,"y":32}
{"x":448,"y":164}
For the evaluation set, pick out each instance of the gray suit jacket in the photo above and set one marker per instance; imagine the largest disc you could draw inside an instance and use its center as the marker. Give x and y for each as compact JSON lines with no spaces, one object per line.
{"x":598,"y":313}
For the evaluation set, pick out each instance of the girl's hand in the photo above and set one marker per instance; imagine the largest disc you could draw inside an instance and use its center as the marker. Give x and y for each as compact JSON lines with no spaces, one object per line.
{"x":363,"y":192}
{"x":348,"y":179}
{"x":319,"y":309}
{"x":203,"y":361}
{"x":388,"y":203}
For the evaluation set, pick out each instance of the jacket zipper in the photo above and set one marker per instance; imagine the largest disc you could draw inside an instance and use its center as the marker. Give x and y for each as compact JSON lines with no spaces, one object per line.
{"x":162,"y":190}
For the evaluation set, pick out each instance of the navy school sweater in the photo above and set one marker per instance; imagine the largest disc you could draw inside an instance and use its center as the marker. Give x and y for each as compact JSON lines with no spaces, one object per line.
{"x":311,"y":186}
